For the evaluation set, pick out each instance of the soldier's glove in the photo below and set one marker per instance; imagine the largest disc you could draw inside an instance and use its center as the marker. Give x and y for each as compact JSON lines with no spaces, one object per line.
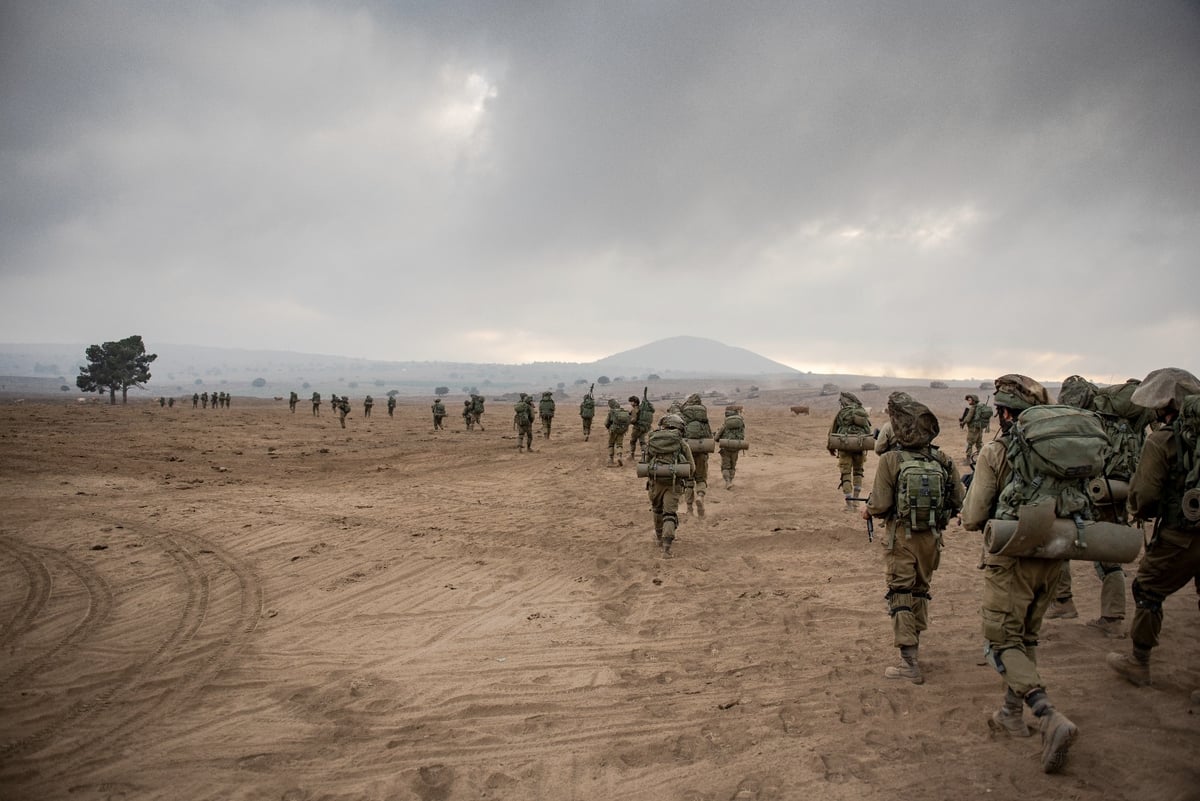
{"x":832,"y":452}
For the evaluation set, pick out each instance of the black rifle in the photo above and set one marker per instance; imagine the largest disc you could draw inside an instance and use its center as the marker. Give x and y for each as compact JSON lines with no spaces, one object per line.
{"x":870,"y":520}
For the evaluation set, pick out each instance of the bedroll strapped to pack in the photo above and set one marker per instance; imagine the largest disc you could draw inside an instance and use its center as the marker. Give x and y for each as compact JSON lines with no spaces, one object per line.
{"x":921,"y":487}
{"x":664,"y":452}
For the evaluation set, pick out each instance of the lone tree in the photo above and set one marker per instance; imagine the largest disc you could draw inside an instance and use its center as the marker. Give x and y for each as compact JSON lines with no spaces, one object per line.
{"x":116,"y":365}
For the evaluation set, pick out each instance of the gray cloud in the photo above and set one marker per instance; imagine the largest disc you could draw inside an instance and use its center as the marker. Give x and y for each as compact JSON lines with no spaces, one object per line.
{"x":955,"y":187}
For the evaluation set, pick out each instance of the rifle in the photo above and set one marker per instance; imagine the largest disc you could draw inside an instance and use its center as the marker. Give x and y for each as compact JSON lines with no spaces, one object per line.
{"x":870,"y":520}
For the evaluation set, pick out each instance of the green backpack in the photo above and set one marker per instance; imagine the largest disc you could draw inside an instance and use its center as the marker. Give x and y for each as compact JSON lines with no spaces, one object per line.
{"x":664,"y":446}
{"x":620,"y":420}
{"x":983,"y":416}
{"x":477,"y":404}
{"x":735,"y":427}
{"x":1187,"y":429}
{"x":852,"y":420}
{"x":546,"y":407}
{"x":588,"y":407}
{"x":523,"y":413}
{"x":695,"y":418}
{"x":1053,"y":451}
{"x":645,"y":418}
{"x":921,"y":489}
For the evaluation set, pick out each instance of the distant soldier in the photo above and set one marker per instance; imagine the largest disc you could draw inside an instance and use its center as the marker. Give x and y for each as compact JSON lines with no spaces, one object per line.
{"x":587,"y":411}
{"x":204,"y":399}
{"x":368,"y":402}
{"x":695,"y":418}
{"x":974,"y":424}
{"x":195,"y":400}
{"x":546,"y":412}
{"x":667,"y":446}
{"x":316,"y":402}
{"x":851,"y":419}
{"x":171,"y":402}
{"x":293,"y":399}
{"x":477,"y":410}
{"x":468,"y":415}
{"x":734,"y":428}
{"x":439,"y":413}
{"x":391,"y":405}
{"x":617,"y":424}
{"x":641,"y":421}
{"x":343,"y":409}
{"x":161,"y":401}
{"x":523,"y":422}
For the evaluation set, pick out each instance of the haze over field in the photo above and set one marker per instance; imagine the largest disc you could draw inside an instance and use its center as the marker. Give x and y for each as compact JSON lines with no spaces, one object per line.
{"x":923,"y":189}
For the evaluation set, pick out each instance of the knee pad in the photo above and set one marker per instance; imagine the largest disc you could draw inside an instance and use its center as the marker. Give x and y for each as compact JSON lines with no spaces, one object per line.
{"x":1104,"y":571}
{"x":899,"y":601}
{"x":994,"y":658}
{"x":671,"y":517}
{"x":1144,"y":599}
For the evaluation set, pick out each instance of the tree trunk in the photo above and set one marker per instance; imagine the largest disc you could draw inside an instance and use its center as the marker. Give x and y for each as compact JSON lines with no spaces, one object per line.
{"x":112,"y":396}
{"x":124,"y":394}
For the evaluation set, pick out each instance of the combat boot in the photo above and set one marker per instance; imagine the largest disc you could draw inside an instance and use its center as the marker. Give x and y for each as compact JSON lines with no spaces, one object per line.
{"x":1058,"y":732}
{"x":668,"y":537}
{"x":700,"y":505}
{"x":1135,"y":668}
{"x":1062,"y":610}
{"x":1108,"y":626}
{"x":849,"y":504}
{"x":1009,"y":718}
{"x":909,"y":668}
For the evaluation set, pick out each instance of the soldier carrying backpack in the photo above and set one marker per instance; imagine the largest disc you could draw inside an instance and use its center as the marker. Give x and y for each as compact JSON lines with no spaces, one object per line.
{"x":667,"y":447}
{"x":587,"y":411}
{"x":916,"y":492}
{"x":696,"y":426}
{"x":733,"y":429}
{"x":851,"y":419}
{"x":1165,"y":489}
{"x":1017,"y":590}
{"x":617,"y":424}
{"x":523,"y":422}
{"x":546,"y":412}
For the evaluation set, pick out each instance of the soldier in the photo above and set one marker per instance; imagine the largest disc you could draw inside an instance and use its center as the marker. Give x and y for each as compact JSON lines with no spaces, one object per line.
{"x":850,"y":419}
{"x":665,"y":491}
{"x":695,"y":418}
{"x":293,"y":399}
{"x":546,"y":413}
{"x":438,"y":409}
{"x":523,"y":422}
{"x":195,"y":400}
{"x":916,"y":492}
{"x":204,"y":399}
{"x":368,"y":402}
{"x":342,"y":405}
{"x":734,"y":428}
{"x":477,"y":410}
{"x":974,"y":424}
{"x":637,"y":429}
{"x":162,"y":402}
{"x":391,"y":407}
{"x":316,"y":402}
{"x":587,"y":411}
{"x":468,"y":415}
{"x":1017,"y":590}
{"x":1160,"y":485}
{"x":171,"y":402}
{"x":885,"y":439}
{"x":617,"y":424}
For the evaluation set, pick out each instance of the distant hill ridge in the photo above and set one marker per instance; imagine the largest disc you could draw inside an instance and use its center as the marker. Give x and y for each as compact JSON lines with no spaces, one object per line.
{"x":686,"y":354}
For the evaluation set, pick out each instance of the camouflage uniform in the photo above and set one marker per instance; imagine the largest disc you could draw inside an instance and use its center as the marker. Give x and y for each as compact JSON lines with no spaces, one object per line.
{"x":468,"y":415}
{"x":732,"y":430}
{"x":974,"y":425}
{"x":523,"y":421}
{"x":546,"y":412}
{"x":616,"y":436}
{"x":316,"y":402}
{"x":293,"y":399}
{"x":1172,"y":559}
{"x":587,"y":411}
{"x":693,"y":407}
{"x":665,"y":492}
{"x":204,"y":399}
{"x":851,"y":464}
{"x":638,"y":428}
{"x":195,"y":400}
{"x":343,"y":407}
{"x":391,"y":405}
{"x":438,"y":409}
{"x":1017,"y":590}
{"x":368,"y":402}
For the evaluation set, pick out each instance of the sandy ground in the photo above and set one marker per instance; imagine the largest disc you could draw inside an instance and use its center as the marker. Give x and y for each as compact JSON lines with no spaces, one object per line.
{"x":250,"y":604}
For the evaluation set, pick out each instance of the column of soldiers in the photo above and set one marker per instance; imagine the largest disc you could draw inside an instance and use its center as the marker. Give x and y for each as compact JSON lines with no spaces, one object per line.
{"x":202,"y":400}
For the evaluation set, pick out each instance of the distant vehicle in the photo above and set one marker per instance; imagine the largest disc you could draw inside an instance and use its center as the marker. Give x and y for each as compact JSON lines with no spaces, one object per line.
{"x":938,"y":385}
{"x":868,"y":387}
{"x":830,"y":389}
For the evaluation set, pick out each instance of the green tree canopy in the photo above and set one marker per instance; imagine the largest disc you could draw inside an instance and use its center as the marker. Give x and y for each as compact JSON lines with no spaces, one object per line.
{"x":116,"y":365}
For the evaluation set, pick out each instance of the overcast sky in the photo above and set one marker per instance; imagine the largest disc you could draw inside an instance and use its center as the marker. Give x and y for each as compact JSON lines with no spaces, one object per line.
{"x":930,"y":189}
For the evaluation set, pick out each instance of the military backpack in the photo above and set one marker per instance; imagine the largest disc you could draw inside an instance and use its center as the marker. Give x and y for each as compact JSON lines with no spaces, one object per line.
{"x":587,"y":408}
{"x":852,"y":420}
{"x":695,"y":419}
{"x":523,"y":413}
{"x":735,"y":427}
{"x":645,"y":418}
{"x":922,"y":485}
{"x":1053,"y":451}
{"x":664,"y":446}
{"x":620,"y":420}
{"x":1186,"y":514}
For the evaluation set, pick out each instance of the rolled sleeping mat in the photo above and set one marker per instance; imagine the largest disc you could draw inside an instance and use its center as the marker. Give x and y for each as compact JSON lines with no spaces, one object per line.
{"x":1105,"y":491}
{"x":665,"y":470}
{"x":706,"y":445}
{"x":735,"y":407}
{"x":733,"y":445}
{"x":851,"y":443}
{"x":1040,"y":535}
{"x":1191,"y":505}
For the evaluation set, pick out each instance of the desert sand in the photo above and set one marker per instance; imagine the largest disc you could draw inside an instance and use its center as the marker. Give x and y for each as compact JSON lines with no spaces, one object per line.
{"x":250,"y":604}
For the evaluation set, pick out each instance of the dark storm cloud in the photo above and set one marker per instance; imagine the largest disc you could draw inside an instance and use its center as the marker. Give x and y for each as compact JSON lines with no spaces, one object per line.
{"x":1011,"y":185}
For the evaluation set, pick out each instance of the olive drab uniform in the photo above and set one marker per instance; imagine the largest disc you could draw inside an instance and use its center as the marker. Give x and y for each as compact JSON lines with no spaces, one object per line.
{"x":665,"y":491}
{"x":1017,"y":590}
{"x":204,"y":399}
{"x":368,"y":402}
{"x":523,"y":422}
{"x":438,"y":409}
{"x":974,"y":423}
{"x":391,"y":405}
{"x":316,"y":402}
{"x":343,"y":409}
{"x":1165,"y":488}
{"x":546,"y":412}
{"x":477,"y":410}
{"x":734,"y":428}
{"x":850,"y":419}
{"x":195,"y":400}
{"x":468,"y":415}
{"x":617,"y":424}
{"x":293,"y":399}
{"x":587,"y":411}
{"x":916,"y":492}
{"x":695,"y":418}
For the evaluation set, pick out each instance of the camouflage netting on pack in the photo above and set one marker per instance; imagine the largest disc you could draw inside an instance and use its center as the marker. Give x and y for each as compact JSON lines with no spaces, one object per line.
{"x":913,"y":424}
{"x":1077,"y":391}
{"x":1166,"y":385}
{"x":1019,"y":392}
{"x":849,"y":399}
